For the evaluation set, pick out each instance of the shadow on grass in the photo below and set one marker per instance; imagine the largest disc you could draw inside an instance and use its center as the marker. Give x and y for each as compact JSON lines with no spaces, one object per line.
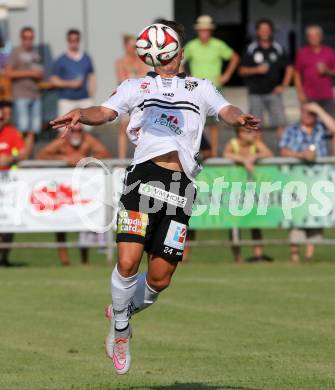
{"x":191,"y":386}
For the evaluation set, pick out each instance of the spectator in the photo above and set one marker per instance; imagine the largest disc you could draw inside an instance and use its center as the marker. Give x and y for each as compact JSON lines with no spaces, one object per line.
{"x":128,"y":66}
{"x":12,"y":150}
{"x":306,"y":140}
{"x":6,"y":105}
{"x":205,"y":55}
{"x":74,"y":75}
{"x":314,"y":70}
{"x":25,"y":70}
{"x":5,"y":83}
{"x":267,"y":72}
{"x":246,"y":148}
{"x":76,"y":145}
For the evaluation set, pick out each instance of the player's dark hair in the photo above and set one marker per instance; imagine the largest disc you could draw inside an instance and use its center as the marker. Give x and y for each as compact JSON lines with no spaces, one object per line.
{"x":73,"y":31}
{"x":25,"y":29}
{"x":177,"y":27}
{"x":264,"y":21}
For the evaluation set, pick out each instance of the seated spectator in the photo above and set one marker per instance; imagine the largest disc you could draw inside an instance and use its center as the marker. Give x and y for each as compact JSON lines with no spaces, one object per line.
{"x":12,"y":150}
{"x":246,"y":148}
{"x":76,"y":145}
{"x":306,"y":140}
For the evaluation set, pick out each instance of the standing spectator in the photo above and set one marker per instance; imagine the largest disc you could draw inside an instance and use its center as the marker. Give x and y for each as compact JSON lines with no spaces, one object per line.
{"x":314,"y":70}
{"x":128,"y":66}
{"x":5,"y":82}
{"x":267,"y":72}
{"x":307,"y":140}
{"x":246,"y":148}
{"x":72,"y":148}
{"x":12,"y":150}
{"x":74,"y":75}
{"x":205,"y":55}
{"x":25,"y":70}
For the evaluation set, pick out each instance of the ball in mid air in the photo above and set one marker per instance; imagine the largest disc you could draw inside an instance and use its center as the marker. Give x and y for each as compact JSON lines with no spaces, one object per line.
{"x":157,"y":45}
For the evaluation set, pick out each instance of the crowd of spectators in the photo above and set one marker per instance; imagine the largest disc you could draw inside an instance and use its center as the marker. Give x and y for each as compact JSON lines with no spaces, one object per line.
{"x":264,"y":67}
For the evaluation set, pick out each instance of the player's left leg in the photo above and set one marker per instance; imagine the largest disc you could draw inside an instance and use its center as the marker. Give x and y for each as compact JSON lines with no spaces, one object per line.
{"x":151,"y":283}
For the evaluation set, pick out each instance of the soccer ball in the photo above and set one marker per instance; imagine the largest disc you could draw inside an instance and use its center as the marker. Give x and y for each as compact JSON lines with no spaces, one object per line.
{"x":157,"y":45}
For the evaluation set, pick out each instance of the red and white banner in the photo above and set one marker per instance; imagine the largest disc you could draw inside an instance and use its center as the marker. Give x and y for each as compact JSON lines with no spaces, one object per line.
{"x":50,"y":200}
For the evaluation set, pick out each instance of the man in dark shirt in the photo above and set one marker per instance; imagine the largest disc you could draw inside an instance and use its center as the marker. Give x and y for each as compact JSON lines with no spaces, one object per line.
{"x":267,"y":72}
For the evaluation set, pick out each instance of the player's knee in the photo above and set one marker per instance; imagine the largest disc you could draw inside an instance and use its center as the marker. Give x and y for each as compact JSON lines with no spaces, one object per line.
{"x":158,"y":284}
{"x":127,"y":267}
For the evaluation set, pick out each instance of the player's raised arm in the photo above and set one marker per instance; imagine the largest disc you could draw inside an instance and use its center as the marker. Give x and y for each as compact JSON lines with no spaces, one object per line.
{"x":218,"y":106}
{"x":235,"y":117}
{"x":93,"y":116}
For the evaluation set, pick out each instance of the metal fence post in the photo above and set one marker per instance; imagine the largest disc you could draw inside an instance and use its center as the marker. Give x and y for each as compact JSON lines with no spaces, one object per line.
{"x":109,"y":217}
{"x":236,"y":236}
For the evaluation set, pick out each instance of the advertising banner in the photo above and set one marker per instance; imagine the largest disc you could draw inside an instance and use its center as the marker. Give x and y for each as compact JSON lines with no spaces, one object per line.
{"x":43,"y":200}
{"x":290,"y":195}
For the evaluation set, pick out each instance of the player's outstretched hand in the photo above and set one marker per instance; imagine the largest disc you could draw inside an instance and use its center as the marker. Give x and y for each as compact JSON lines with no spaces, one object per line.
{"x":250,"y":122}
{"x":67,"y":121}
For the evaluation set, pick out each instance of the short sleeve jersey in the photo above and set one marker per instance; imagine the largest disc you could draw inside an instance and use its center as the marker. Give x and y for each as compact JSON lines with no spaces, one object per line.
{"x":11,"y":143}
{"x":69,"y":69}
{"x":277,"y":60}
{"x":20,"y":59}
{"x":206,"y":59}
{"x":316,"y":86}
{"x":167,"y":115}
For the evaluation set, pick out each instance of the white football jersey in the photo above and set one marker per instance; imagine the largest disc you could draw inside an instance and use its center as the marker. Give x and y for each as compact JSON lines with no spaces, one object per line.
{"x":167,"y":115}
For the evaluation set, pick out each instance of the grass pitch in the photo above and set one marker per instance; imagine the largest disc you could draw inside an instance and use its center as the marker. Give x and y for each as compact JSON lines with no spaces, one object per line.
{"x":219,"y":326}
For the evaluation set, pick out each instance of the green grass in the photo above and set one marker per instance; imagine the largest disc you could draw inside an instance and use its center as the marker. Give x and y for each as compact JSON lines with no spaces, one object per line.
{"x":219,"y":326}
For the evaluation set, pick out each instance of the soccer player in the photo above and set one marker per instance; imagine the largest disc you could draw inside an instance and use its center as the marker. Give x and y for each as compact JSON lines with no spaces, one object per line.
{"x":167,"y":115}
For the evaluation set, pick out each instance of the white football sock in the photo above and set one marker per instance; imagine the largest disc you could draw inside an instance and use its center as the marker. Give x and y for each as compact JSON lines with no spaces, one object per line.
{"x":123,"y":289}
{"x":144,"y":295}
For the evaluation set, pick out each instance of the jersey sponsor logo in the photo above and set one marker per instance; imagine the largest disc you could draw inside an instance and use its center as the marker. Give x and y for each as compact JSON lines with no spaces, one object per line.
{"x":132,"y":222}
{"x":169,"y":121}
{"x":191,"y":85}
{"x":176,"y":235}
{"x":273,"y":57}
{"x":163,"y":195}
{"x":258,"y":57}
{"x":145,"y":86}
{"x":168,"y":94}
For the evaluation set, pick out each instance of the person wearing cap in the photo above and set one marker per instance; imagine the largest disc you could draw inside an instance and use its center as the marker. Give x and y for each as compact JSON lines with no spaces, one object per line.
{"x":205,"y":55}
{"x":307,"y":140}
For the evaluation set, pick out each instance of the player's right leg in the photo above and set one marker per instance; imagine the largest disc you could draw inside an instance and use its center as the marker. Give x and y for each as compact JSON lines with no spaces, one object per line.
{"x":123,"y":285}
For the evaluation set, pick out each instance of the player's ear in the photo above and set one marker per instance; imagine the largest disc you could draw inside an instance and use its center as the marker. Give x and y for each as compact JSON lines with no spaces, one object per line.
{"x":182,"y":53}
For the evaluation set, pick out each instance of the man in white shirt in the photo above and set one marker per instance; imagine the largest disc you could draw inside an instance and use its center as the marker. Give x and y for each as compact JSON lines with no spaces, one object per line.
{"x":167,"y":115}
